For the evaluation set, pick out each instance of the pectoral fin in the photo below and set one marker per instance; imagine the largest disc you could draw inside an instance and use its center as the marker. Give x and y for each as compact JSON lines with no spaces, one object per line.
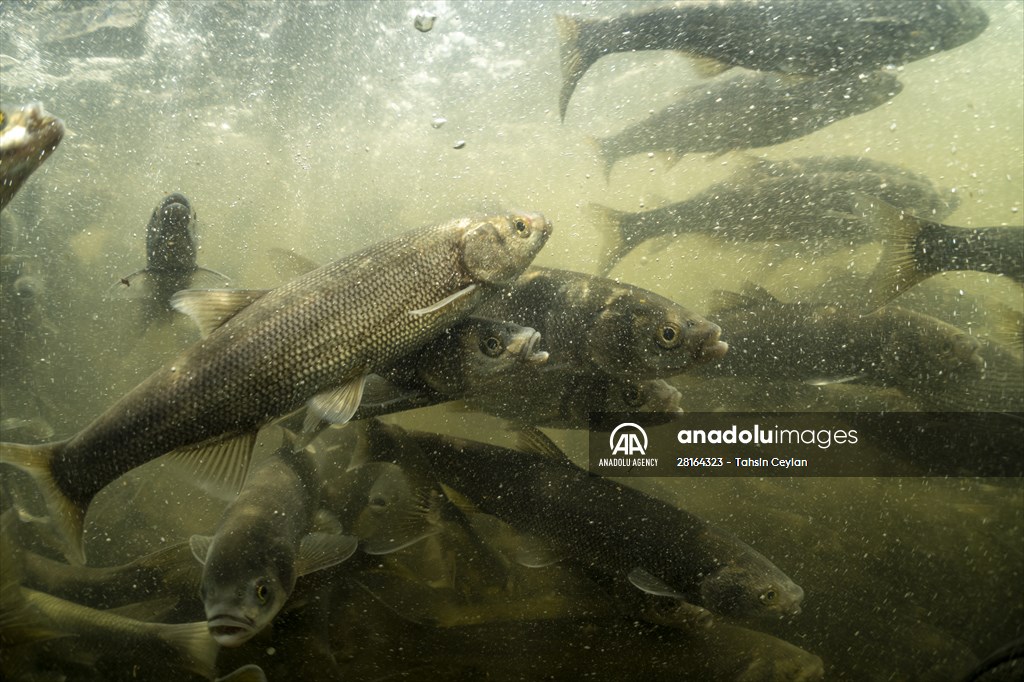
{"x":646,"y":582}
{"x":200,"y":546}
{"x":707,"y":67}
{"x":336,"y":406}
{"x":323,"y":550}
{"x":219,"y":468}
{"x":447,"y":300}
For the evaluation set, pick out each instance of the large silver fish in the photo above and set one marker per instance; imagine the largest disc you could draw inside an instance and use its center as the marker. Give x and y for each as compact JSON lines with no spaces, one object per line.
{"x":312,"y":341}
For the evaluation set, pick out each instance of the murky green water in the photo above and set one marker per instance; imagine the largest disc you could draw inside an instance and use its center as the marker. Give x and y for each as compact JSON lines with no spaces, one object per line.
{"x":308,"y":126}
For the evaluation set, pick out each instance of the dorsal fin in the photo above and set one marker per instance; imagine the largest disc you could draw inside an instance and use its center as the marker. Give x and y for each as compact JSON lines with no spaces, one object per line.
{"x":532,"y":439}
{"x":750,"y":296}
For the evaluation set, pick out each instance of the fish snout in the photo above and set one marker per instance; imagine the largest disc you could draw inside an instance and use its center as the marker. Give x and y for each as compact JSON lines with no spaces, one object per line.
{"x":710,"y":346}
{"x":530,"y":355}
{"x":538,"y":224}
{"x":230,"y":629}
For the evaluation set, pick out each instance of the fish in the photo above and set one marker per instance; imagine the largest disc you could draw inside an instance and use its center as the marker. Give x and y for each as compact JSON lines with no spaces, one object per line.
{"x":266,"y":353}
{"x":28,"y":616}
{"x":263,"y":543}
{"x":822,"y":342}
{"x":796,"y":37}
{"x":915,"y":249}
{"x":169,"y":570}
{"x":386,"y":506}
{"x":772,"y":201}
{"x":28,"y":136}
{"x":170,"y":259}
{"x":749,"y":111}
{"x":606,"y":525}
{"x":475,"y":357}
{"x":1000,"y":664}
{"x":594,"y":324}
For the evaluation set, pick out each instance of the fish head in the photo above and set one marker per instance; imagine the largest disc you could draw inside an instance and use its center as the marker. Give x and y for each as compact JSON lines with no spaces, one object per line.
{"x":751,"y":589}
{"x":170,"y":242}
{"x":401,"y":508}
{"x":640,"y":335}
{"x":492,"y":348}
{"x":235,"y":614}
{"x":27,"y":137}
{"x":28,"y":134}
{"x":652,"y":395}
{"x":496,"y":249}
{"x":243,"y":592}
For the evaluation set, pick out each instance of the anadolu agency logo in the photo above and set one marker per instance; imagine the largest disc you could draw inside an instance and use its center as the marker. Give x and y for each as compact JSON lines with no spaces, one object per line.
{"x":628,"y":439}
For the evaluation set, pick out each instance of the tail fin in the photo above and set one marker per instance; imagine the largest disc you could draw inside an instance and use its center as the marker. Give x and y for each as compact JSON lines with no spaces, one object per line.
{"x":574,"y":62}
{"x":608,"y":155}
{"x":897,"y":268}
{"x":609,"y":223}
{"x":67,"y":516}
{"x":198,"y":648}
{"x":19,"y":623}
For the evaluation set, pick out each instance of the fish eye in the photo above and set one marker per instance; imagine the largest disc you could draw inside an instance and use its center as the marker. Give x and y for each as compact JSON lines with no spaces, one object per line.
{"x":669,"y":336}
{"x":492,"y":346}
{"x":521,"y":227}
{"x":262,"y":592}
{"x":768,"y":597}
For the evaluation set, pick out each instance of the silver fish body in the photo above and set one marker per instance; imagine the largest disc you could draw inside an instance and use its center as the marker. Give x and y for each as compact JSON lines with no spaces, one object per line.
{"x":748,"y":112}
{"x":810,"y":201}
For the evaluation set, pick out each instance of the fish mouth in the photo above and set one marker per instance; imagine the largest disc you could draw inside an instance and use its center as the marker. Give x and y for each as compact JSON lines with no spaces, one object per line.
{"x":529,"y":355}
{"x":230,"y":630}
{"x":523,"y":348}
{"x":713,"y":348}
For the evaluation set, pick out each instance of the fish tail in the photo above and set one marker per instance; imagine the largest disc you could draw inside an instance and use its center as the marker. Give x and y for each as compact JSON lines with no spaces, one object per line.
{"x":193,"y":640}
{"x":19,"y":622}
{"x":610,"y":224}
{"x":68,"y":516}
{"x":608,"y":157}
{"x":897,"y":268}
{"x":574,"y":61}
